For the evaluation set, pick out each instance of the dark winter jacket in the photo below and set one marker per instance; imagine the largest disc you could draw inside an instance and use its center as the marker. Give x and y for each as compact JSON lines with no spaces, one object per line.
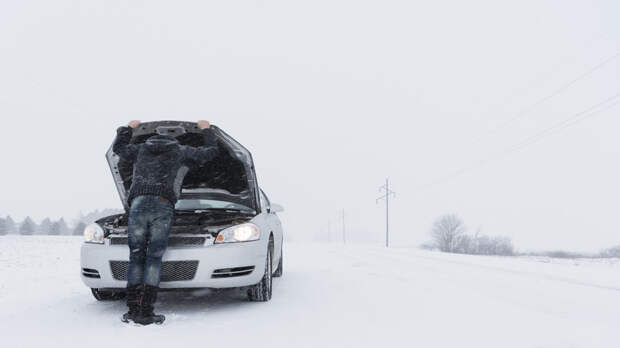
{"x":161,"y":163}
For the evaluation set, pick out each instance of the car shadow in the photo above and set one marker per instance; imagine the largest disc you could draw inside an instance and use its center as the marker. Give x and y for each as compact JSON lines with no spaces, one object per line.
{"x":188,"y":301}
{"x":179,"y":303}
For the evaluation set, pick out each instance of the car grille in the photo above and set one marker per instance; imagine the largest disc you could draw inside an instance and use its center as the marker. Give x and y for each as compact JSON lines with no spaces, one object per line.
{"x":173,"y":241}
{"x":232,"y":272}
{"x":170,"y":270}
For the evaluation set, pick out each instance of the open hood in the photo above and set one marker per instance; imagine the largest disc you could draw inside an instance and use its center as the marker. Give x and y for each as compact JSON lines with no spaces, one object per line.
{"x":230,"y":176}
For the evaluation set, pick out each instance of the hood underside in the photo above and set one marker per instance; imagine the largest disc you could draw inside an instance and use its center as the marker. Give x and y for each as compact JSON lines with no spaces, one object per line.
{"x":230,"y":176}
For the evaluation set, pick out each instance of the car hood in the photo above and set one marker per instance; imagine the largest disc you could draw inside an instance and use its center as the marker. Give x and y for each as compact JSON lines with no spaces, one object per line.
{"x":230,"y":176}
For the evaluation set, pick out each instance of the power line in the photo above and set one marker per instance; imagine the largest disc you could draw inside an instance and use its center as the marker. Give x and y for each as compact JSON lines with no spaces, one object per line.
{"x":544,"y":132}
{"x":570,"y":121}
{"x":544,"y":99}
{"x":544,"y":76}
{"x":585,"y":114}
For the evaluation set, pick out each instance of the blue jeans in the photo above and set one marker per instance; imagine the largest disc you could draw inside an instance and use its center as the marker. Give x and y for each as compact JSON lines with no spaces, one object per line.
{"x":150,"y":220}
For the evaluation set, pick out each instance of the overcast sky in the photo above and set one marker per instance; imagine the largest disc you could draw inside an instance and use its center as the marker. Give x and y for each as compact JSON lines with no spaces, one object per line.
{"x":331,"y":97}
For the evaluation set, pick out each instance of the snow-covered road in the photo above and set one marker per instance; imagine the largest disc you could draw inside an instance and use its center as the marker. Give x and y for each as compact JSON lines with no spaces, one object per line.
{"x":330,"y":296}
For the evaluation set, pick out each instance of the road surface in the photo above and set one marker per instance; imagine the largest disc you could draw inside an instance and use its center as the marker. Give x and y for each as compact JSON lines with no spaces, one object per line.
{"x":329,"y":296}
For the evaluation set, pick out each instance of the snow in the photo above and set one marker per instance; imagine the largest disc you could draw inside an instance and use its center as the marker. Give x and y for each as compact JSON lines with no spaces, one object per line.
{"x":330,"y":296}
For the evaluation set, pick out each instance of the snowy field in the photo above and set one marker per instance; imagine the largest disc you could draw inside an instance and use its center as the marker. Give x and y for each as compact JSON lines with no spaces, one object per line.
{"x":330,"y":296}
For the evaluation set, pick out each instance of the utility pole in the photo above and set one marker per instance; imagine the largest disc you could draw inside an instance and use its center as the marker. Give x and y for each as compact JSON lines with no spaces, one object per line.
{"x":386,"y":196}
{"x":344,"y":235}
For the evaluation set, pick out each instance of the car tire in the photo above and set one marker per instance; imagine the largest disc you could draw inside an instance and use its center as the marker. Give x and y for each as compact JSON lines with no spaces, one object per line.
{"x":280,"y":269}
{"x":261,"y":292}
{"x":106,"y":295}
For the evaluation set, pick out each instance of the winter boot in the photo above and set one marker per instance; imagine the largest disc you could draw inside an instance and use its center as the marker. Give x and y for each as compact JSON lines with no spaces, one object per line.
{"x":134,"y":293}
{"x":147,"y":316}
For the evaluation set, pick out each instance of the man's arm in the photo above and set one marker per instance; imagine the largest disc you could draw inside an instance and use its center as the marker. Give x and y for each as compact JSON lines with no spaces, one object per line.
{"x":122,"y":147}
{"x":205,"y":153}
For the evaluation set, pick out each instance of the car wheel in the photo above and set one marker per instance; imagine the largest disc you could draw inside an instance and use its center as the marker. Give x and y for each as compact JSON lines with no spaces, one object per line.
{"x":261,"y":292}
{"x":106,"y":295}
{"x":279,"y":270}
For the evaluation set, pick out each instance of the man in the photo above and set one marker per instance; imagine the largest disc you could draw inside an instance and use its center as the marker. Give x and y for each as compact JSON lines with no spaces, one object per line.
{"x":160,"y":165}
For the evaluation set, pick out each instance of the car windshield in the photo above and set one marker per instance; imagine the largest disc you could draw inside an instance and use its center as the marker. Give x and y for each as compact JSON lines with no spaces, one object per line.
{"x":199,"y":204}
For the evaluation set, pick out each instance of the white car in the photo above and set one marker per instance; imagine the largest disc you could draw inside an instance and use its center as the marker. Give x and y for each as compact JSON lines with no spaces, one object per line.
{"x":226,"y":233}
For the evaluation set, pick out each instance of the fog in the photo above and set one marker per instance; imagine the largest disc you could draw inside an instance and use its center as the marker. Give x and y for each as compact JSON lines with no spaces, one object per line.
{"x":331,"y":97}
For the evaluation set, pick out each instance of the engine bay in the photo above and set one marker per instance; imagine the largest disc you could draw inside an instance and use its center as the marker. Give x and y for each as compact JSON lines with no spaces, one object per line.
{"x":184,"y":223}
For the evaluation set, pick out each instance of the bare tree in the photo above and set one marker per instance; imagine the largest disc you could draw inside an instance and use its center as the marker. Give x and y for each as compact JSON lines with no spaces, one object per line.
{"x":465,"y":244}
{"x":494,"y":246}
{"x":447,"y":232}
{"x":503,"y":246}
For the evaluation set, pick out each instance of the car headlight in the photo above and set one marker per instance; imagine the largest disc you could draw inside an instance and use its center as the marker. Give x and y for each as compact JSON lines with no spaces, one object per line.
{"x":93,"y":233}
{"x":239,"y":233}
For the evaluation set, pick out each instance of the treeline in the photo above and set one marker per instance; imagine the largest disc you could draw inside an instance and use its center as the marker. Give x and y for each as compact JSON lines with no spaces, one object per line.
{"x":449,"y":234}
{"x":613,"y":252}
{"x":29,"y":227}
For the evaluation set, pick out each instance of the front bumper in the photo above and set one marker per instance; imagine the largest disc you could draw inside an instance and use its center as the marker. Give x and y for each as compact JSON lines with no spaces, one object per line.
{"x":97,"y":257}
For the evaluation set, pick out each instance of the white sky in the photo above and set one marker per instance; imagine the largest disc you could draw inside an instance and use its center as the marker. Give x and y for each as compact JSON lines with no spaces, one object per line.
{"x":331,"y":97}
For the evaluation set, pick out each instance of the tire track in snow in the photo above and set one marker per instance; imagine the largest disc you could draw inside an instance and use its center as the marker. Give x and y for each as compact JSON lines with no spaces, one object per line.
{"x":499,"y":287}
{"x":504,"y":270}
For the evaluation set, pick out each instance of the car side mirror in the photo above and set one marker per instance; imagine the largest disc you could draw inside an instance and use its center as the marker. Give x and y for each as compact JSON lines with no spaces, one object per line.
{"x":276,"y":208}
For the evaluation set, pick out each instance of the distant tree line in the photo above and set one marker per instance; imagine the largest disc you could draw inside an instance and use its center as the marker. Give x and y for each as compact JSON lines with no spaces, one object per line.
{"x":562,"y":254}
{"x":611,"y":252}
{"x":449,"y":234}
{"x":29,"y":227}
